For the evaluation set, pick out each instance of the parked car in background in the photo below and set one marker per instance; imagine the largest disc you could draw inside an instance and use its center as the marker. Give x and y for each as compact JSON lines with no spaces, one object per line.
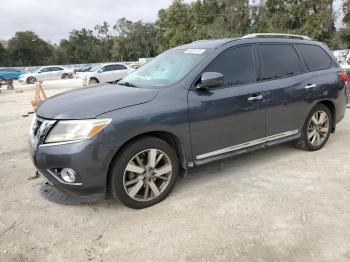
{"x":189,"y":106}
{"x":46,"y":73}
{"x":105,"y":73}
{"x":82,"y":68}
{"x":340,"y":55}
{"x":348,"y":58}
{"x":134,"y":65}
{"x":9,"y":72}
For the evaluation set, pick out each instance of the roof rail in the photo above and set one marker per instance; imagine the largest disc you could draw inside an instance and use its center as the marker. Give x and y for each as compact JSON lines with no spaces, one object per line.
{"x":276,"y":35}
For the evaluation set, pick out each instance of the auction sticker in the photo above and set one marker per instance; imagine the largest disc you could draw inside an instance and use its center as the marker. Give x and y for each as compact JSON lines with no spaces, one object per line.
{"x":195,"y":51}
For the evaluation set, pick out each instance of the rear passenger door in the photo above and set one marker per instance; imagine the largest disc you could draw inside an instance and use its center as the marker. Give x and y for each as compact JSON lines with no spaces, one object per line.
{"x":285,"y":89}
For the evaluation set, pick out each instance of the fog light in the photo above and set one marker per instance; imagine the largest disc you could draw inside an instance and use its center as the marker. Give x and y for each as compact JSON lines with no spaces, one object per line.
{"x":68,"y":175}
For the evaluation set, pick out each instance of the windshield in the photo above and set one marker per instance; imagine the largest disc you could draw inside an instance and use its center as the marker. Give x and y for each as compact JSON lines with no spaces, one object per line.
{"x":166,"y":69}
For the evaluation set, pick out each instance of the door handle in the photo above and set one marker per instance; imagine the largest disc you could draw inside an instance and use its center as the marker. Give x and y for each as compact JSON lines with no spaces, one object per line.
{"x":310,"y":86}
{"x":254,"y":98}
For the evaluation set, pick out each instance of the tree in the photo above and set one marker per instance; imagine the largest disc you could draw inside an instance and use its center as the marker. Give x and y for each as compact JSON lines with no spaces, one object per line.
{"x":234,"y":18}
{"x":3,"y":56}
{"x":133,"y":40}
{"x":26,"y":48}
{"x":173,"y":25}
{"x":182,"y":23}
{"x":82,"y":46}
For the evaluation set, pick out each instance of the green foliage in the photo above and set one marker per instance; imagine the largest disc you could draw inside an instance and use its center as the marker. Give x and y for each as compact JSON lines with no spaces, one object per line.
{"x":82,"y":47}
{"x":182,"y":23}
{"x":26,"y":48}
{"x":3,"y":56}
{"x":133,"y":40}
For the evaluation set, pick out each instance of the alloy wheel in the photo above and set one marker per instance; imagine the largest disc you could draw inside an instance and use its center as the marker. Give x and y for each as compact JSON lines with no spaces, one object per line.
{"x":318,"y":128}
{"x":147,"y":175}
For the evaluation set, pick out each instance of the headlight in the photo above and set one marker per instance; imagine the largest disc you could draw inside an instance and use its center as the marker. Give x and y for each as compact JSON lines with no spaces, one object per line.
{"x":75,"y":130}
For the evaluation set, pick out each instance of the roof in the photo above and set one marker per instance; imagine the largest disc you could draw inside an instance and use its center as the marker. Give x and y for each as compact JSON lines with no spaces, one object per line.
{"x":207,"y":43}
{"x":215,"y":43}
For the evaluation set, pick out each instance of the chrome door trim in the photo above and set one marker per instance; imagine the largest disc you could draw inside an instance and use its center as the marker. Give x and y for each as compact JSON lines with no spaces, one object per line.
{"x":248,"y":144}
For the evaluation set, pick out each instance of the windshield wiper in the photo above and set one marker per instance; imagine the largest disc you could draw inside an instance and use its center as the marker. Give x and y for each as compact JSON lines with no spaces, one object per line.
{"x":127,"y":84}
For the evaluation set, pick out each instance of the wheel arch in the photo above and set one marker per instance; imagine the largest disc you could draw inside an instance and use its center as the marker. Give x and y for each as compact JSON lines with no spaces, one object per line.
{"x":330,"y":105}
{"x":168,"y":137}
{"x":27,"y":79}
{"x":95,"y":78}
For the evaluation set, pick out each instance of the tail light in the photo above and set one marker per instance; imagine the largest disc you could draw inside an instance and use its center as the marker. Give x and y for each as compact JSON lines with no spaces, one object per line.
{"x":345,"y":78}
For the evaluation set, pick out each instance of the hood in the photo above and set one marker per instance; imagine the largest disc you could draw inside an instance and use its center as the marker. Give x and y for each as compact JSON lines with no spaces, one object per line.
{"x":89,"y":102}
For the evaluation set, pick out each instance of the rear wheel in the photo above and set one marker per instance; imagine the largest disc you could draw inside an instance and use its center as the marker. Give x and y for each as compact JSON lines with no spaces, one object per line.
{"x":31,"y":80}
{"x":66,"y":76}
{"x":144,"y":173}
{"x":317,"y":129}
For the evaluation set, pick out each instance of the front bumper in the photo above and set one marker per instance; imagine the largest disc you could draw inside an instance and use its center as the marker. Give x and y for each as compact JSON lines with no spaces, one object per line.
{"x":89,"y":158}
{"x":90,"y":168}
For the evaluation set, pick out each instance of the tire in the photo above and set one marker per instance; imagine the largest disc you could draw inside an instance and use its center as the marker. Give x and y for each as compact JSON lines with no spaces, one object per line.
{"x":129,"y":184}
{"x":93,"y":81}
{"x":315,"y":135}
{"x":65,"y":76}
{"x":31,"y":80}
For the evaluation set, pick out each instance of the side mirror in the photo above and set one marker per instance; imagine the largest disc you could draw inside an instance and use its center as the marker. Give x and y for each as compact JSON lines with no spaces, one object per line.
{"x":100,"y":71}
{"x":211,"y":79}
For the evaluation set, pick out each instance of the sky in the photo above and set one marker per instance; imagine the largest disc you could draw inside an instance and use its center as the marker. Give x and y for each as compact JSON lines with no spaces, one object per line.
{"x":53,"y":19}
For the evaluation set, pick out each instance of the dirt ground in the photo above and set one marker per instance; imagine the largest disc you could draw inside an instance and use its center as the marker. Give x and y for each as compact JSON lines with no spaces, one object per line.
{"x":280,"y":204}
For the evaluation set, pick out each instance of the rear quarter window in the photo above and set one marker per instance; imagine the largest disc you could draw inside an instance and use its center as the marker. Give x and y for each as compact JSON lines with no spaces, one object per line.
{"x":315,"y":57}
{"x":278,"y":61}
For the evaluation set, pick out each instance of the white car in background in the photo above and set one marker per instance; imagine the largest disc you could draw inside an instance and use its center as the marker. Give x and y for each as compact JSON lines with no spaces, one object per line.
{"x":46,"y":73}
{"x":341,"y":55}
{"x":105,"y":73}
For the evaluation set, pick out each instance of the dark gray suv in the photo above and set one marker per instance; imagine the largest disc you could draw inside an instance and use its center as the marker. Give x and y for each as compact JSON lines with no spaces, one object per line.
{"x":191,"y":105}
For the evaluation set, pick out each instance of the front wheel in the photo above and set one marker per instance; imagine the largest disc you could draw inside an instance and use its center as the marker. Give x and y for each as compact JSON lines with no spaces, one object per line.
{"x":144,"y":173}
{"x":317,"y":129}
{"x":93,"y":81}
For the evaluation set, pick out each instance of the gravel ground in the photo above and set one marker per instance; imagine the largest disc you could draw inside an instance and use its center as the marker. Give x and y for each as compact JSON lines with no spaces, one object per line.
{"x":280,"y":204}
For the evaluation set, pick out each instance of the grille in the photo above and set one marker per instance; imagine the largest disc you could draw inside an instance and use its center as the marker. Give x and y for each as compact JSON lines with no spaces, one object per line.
{"x":39,"y":130}
{"x":37,"y":122}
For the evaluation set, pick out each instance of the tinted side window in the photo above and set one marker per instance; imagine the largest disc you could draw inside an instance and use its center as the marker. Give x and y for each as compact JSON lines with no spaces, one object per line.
{"x":107,"y":68}
{"x":236,"y":65}
{"x":115,"y":67}
{"x":46,"y":69}
{"x":315,"y":57}
{"x":120,"y":67}
{"x":278,"y":61}
{"x":56,"y":69}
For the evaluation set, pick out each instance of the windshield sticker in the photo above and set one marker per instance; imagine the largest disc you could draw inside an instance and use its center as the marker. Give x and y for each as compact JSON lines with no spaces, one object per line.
{"x":195,"y":51}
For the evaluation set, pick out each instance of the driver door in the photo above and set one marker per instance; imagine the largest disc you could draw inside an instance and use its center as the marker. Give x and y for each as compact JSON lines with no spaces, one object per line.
{"x":228,"y":118}
{"x":44,"y":73}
